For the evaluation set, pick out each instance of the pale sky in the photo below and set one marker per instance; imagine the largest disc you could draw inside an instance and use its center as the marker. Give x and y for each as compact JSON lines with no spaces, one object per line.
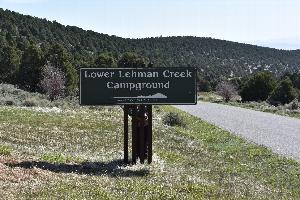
{"x":272,"y":23}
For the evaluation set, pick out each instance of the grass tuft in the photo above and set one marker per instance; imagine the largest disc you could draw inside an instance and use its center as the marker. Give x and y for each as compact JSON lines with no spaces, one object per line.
{"x":173,"y":119}
{"x":58,"y":158}
{"x":5,"y":150}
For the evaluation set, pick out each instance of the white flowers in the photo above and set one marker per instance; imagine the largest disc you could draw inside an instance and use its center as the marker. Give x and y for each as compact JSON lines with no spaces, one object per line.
{"x":44,"y":109}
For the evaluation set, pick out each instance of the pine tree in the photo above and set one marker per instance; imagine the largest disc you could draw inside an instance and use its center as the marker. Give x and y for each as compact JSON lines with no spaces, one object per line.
{"x":259,"y":87}
{"x":30,"y":70}
{"x":132,"y":60}
{"x":284,"y":93}
{"x":105,"y":60}
{"x":9,"y":63}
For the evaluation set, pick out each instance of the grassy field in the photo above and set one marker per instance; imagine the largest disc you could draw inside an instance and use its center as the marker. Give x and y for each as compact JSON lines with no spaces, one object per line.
{"x":49,"y":153}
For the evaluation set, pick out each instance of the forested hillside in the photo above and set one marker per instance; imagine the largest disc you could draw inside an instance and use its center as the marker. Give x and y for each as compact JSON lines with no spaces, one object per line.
{"x":21,"y":36}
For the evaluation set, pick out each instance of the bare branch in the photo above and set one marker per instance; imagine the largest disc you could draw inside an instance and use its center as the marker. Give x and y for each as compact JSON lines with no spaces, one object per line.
{"x":53,"y":81}
{"x":226,"y":90}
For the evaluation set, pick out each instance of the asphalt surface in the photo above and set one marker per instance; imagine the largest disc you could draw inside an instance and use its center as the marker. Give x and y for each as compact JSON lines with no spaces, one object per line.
{"x":280,"y":133}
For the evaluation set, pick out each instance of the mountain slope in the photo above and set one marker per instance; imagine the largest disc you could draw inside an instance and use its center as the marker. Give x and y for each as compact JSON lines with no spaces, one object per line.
{"x":214,"y":58}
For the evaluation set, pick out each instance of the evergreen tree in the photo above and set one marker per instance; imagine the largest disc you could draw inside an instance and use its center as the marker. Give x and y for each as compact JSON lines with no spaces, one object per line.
{"x":132,"y":60}
{"x":284,"y":93}
{"x":203,"y":85}
{"x":259,"y":87}
{"x":105,"y":60}
{"x":9,"y":63}
{"x":30,"y":70}
{"x":295,"y":78}
{"x":212,"y":57}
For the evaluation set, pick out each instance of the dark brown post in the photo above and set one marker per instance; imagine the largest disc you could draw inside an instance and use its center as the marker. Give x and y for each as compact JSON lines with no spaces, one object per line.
{"x":142,"y":135}
{"x":149,"y":137}
{"x":126,"y":134}
{"x":134,"y":127}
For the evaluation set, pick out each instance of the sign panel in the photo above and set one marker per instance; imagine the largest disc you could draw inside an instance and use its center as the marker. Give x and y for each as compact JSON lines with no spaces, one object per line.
{"x":120,"y":86}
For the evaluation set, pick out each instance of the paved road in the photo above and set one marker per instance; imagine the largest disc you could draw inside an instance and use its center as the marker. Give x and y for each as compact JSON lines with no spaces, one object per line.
{"x":281,"y":134}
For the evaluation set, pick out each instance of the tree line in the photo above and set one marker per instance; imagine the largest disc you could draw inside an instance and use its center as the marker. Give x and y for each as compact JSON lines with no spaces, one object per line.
{"x":33,"y":68}
{"x":262,"y":86}
{"x":29,"y":44}
{"x":214,"y":59}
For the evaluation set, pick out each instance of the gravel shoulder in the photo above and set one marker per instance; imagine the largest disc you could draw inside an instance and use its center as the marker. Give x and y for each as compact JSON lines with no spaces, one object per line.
{"x":280,"y":133}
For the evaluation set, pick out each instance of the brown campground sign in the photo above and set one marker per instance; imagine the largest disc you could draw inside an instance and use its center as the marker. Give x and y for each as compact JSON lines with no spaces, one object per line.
{"x":121,"y":86}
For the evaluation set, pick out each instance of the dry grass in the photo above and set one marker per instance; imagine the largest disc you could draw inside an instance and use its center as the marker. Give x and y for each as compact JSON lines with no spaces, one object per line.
{"x":285,"y":110}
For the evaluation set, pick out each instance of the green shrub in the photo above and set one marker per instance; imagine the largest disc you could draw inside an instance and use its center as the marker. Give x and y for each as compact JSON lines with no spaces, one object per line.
{"x":173,"y":119}
{"x":132,"y":60}
{"x":5,"y":150}
{"x":30,"y":69}
{"x":203,"y":85}
{"x":56,"y":158}
{"x":156,"y":108}
{"x":284,"y":93}
{"x":259,"y":87}
{"x":10,"y":95}
{"x":9,"y":102}
{"x":30,"y":102}
{"x":294,"y":105}
{"x":104,"y":60}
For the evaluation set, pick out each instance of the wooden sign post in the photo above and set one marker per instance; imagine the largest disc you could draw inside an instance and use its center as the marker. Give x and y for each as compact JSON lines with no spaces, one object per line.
{"x":137,"y":89}
{"x":141,"y":133}
{"x":126,"y":134}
